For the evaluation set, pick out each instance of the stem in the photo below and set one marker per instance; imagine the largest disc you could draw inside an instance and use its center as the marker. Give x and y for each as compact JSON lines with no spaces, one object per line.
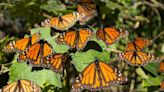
{"x":112,"y":50}
{"x":47,"y":16}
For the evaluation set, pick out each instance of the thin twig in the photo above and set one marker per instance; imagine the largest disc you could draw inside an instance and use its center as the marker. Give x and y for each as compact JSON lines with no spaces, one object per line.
{"x":7,"y":64}
{"x":113,"y":50}
{"x":159,"y":35}
{"x":132,"y":85}
{"x":47,"y":16}
{"x":149,"y":4}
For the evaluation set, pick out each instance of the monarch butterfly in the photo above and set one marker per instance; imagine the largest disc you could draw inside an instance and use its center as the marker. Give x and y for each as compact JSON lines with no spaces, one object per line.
{"x":63,"y":22}
{"x":137,"y":58}
{"x":22,"y":86}
{"x":20,"y":45}
{"x":56,"y":61}
{"x":87,"y":9}
{"x":161,"y":67}
{"x":75,"y":39}
{"x":138,"y":44}
{"x":162,"y":86}
{"x":110,"y":35}
{"x":37,"y":53}
{"x":98,"y":75}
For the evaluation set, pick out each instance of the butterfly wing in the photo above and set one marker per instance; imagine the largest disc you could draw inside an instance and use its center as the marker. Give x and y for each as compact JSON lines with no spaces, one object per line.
{"x":21,"y":86}
{"x":110,"y":75}
{"x":64,"y":22}
{"x":36,"y":53}
{"x":87,"y":9}
{"x":110,"y":35}
{"x":35,"y":38}
{"x":162,"y":86}
{"x":20,"y":45}
{"x":137,"y":58}
{"x":84,"y":36}
{"x":85,"y":79}
{"x":69,"y":38}
{"x":17,"y":46}
{"x":138,"y":44}
{"x":56,"y":61}
{"x":96,"y":76}
{"x":10,"y":87}
{"x":161,"y":67}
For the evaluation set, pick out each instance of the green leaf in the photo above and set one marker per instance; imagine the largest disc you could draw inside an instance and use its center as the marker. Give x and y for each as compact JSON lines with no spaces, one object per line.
{"x":151,"y":81}
{"x":152,"y":68}
{"x":103,"y":56}
{"x":82,"y":59}
{"x":100,"y":42}
{"x":140,"y":88}
{"x":141,"y":73}
{"x":41,"y":77}
{"x":45,"y":34}
{"x":19,"y":71}
{"x":53,"y":6}
{"x":23,"y":71}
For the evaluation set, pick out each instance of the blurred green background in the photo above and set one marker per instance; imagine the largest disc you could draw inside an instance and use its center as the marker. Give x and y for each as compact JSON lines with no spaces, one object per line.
{"x":141,"y":18}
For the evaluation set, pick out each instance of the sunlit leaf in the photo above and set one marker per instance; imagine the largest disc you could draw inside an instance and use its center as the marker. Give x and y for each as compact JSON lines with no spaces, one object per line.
{"x":45,"y":34}
{"x":24,"y":71}
{"x":82,"y":59}
{"x":151,"y":81}
{"x":141,"y":73}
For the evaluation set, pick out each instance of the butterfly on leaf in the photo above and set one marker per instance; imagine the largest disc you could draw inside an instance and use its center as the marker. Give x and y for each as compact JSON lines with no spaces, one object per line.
{"x":110,"y":35}
{"x":87,"y":9}
{"x":75,"y":38}
{"x":98,"y":76}
{"x":138,"y":44}
{"x":63,"y":22}
{"x":22,"y":86}
{"x":36,"y":54}
{"x":20,"y":45}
